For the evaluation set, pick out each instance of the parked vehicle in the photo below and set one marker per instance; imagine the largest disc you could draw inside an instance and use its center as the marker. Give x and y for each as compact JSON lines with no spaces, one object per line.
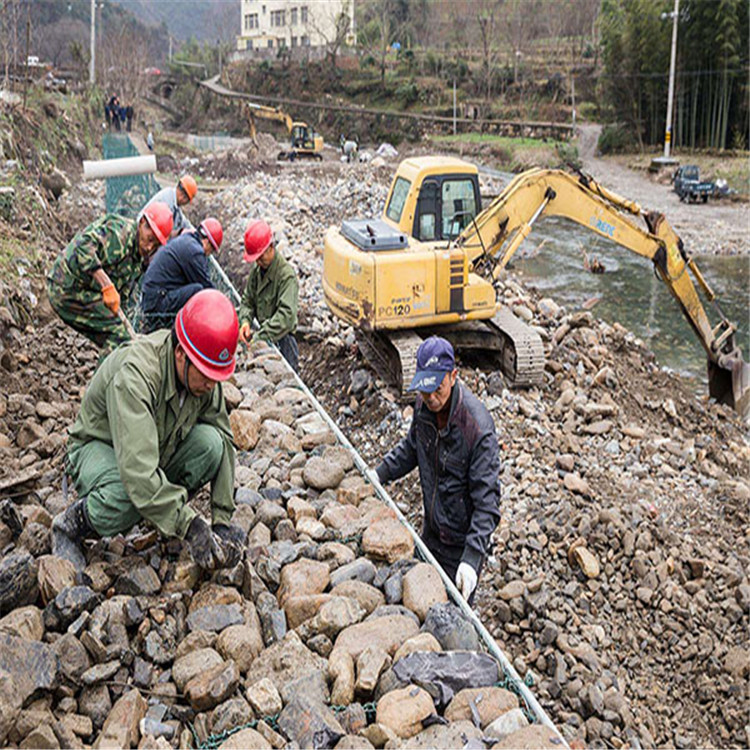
{"x":688,"y":185}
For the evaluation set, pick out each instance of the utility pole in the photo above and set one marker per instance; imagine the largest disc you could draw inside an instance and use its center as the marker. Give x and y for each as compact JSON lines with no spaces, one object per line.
{"x":670,"y":96}
{"x":454,"y":106}
{"x":92,"y":60}
{"x":170,"y":48}
{"x":573,"y":95}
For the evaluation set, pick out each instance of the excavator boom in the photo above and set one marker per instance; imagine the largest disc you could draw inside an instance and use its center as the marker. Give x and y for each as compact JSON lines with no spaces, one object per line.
{"x":496,"y":234}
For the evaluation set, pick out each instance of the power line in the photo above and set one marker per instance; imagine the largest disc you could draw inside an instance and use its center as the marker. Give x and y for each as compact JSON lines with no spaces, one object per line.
{"x":682,"y":73}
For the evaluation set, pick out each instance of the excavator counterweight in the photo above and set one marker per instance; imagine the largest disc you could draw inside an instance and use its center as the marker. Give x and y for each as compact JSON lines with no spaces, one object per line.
{"x":429,"y":265}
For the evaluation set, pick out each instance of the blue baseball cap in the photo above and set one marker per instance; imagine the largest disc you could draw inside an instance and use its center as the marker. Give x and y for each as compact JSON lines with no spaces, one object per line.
{"x":434,"y":359}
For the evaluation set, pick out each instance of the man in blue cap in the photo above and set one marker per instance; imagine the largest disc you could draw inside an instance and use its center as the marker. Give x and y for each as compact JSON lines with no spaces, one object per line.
{"x":453,"y":442}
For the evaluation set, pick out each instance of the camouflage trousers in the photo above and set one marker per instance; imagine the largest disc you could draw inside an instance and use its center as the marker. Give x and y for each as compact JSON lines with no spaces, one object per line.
{"x":93,"y":319}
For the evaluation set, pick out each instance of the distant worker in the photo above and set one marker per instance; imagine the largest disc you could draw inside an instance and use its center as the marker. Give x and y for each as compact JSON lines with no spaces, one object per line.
{"x":152,"y":430}
{"x":453,"y":442}
{"x":271,"y":294}
{"x":178,"y":271}
{"x":129,"y":116}
{"x":99,"y":268}
{"x":349,"y":148}
{"x":176,"y":198}
{"x":150,"y":141}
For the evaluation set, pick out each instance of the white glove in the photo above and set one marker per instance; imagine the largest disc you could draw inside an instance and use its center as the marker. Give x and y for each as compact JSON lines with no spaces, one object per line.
{"x":466,"y":579}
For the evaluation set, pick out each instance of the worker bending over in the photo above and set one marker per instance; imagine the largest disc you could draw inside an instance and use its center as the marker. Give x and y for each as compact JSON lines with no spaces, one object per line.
{"x":153,"y":428}
{"x":453,"y":442}
{"x":177,"y":272}
{"x":176,"y":198}
{"x":99,"y":269}
{"x":271,"y":294}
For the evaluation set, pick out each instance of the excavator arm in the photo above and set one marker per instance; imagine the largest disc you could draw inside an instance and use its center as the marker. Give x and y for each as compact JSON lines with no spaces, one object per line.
{"x":253,"y":110}
{"x":492,"y":239}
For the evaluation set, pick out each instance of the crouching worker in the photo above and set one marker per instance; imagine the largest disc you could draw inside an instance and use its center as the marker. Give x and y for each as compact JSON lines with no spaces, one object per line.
{"x":271,"y":294}
{"x":152,"y":430}
{"x":177,"y":272}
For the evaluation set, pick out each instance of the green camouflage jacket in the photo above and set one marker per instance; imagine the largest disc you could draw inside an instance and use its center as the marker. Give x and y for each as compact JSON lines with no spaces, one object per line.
{"x":110,"y":243}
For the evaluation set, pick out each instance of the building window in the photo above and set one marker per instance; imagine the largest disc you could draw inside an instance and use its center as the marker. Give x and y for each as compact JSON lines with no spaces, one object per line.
{"x":303,"y":14}
{"x":249,"y":44}
{"x":264,"y":10}
{"x":294,"y":17}
{"x":278,"y":18}
{"x":304,"y":41}
{"x":270,"y":42}
{"x":282,"y":43}
{"x":251,"y":21}
{"x":294,"y":41}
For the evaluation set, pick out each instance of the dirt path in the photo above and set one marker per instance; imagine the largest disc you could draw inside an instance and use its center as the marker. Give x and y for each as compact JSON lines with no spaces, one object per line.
{"x":718,"y":227}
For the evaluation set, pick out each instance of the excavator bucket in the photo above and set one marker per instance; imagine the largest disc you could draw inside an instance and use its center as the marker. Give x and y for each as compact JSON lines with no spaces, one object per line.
{"x":731,"y":385}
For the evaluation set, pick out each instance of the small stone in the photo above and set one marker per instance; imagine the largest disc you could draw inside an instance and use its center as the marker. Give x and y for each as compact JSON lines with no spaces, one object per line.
{"x":586,"y":561}
{"x":215,"y":618}
{"x":370,"y":665}
{"x":389,"y":540}
{"x":421,"y":642}
{"x":245,"y":428}
{"x":321,"y":474}
{"x":361,"y":569}
{"x":193,"y":664}
{"x":403,"y":711}
{"x":100,"y":672}
{"x":422,"y":588}
{"x":310,"y":724}
{"x":576,"y":484}
{"x":507,"y":723}
{"x":245,"y":738}
{"x":264,"y":698}
{"x":302,"y":578}
{"x":212,"y":687}
{"x":387,"y":633}
{"x":490,"y":702}
{"x":533,"y":737}
{"x":121,"y":727}
{"x":241,"y":644}
{"x":41,"y":737}
{"x":138,"y":581}
{"x":25,"y":622}
{"x":54,"y":575}
{"x":367,"y":596}
{"x":451,"y":629}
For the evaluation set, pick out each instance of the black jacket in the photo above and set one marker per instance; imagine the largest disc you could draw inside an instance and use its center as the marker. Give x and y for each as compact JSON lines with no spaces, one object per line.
{"x":459,"y":470}
{"x":179,"y":263}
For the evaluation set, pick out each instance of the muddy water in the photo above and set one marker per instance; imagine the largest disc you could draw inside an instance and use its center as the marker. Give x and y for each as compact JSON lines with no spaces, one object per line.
{"x":551,"y":260}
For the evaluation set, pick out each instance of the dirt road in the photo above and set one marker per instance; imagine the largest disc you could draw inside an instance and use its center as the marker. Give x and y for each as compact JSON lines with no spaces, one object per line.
{"x":718,"y":227}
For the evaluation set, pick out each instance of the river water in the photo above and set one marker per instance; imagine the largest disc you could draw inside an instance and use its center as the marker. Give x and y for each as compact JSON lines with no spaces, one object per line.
{"x":551,"y":261}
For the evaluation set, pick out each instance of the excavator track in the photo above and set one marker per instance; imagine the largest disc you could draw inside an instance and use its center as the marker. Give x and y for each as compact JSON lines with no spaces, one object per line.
{"x":516,"y":347}
{"x":393,"y":355}
{"x":523,"y":353}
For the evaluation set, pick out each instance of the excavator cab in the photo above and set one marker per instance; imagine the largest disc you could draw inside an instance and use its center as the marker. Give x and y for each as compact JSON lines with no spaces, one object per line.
{"x":302,"y":136}
{"x":445,"y":207}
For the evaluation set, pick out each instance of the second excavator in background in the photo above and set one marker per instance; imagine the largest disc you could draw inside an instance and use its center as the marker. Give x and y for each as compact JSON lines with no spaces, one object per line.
{"x":304,"y":141}
{"x":431,"y":264}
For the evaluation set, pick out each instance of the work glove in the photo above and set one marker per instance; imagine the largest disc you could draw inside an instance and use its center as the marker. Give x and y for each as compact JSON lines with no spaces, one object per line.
{"x":111,"y":297}
{"x":246,"y":333}
{"x":205,"y":546}
{"x":232,"y":542}
{"x":466,"y":580}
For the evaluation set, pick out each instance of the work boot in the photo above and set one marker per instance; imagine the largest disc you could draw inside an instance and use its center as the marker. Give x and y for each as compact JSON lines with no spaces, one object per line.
{"x":69,"y":529}
{"x":232,"y":541}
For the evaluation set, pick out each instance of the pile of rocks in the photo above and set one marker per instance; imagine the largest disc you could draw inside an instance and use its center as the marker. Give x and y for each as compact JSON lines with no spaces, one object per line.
{"x":329,"y":633}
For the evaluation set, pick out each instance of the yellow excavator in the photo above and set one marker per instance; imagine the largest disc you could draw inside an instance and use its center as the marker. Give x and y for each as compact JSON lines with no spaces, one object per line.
{"x":430,"y":265}
{"x":305,"y":142}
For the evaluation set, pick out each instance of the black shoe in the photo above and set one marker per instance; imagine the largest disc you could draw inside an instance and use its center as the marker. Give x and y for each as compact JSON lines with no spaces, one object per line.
{"x":69,"y":529}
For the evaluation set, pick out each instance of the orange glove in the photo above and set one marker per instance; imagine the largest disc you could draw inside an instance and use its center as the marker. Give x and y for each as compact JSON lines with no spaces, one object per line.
{"x":111,"y":297}
{"x":246,"y":333}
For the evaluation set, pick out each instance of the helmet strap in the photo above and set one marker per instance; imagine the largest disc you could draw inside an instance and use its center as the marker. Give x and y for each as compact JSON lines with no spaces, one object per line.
{"x":185,"y":374}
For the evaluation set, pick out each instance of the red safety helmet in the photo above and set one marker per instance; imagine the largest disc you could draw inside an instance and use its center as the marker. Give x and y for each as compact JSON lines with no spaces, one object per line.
{"x":159,"y":218}
{"x":207,"y":330}
{"x":258,"y":236}
{"x":212,"y":230}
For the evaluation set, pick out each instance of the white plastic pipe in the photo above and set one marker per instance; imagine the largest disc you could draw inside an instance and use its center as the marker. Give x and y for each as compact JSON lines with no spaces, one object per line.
{"x":125,"y":167}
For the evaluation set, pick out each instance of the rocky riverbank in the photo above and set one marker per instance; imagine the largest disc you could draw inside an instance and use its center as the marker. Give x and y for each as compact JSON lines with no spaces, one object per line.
{"x":619,"y":573}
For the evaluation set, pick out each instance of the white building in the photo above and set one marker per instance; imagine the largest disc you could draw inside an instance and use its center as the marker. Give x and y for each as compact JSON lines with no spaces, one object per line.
{"x":272,"y":24}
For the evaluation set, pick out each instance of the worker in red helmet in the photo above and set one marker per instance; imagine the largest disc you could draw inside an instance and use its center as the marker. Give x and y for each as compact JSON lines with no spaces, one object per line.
{"x":152,"y":430}
{"x":178,"y":271}
{"x":98,"y":270}
{"x":271,"y":294}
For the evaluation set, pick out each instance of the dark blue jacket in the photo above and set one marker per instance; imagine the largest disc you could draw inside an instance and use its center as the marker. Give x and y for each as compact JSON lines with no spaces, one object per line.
{"x":459,"y":470}
{"x":179,"y":263}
